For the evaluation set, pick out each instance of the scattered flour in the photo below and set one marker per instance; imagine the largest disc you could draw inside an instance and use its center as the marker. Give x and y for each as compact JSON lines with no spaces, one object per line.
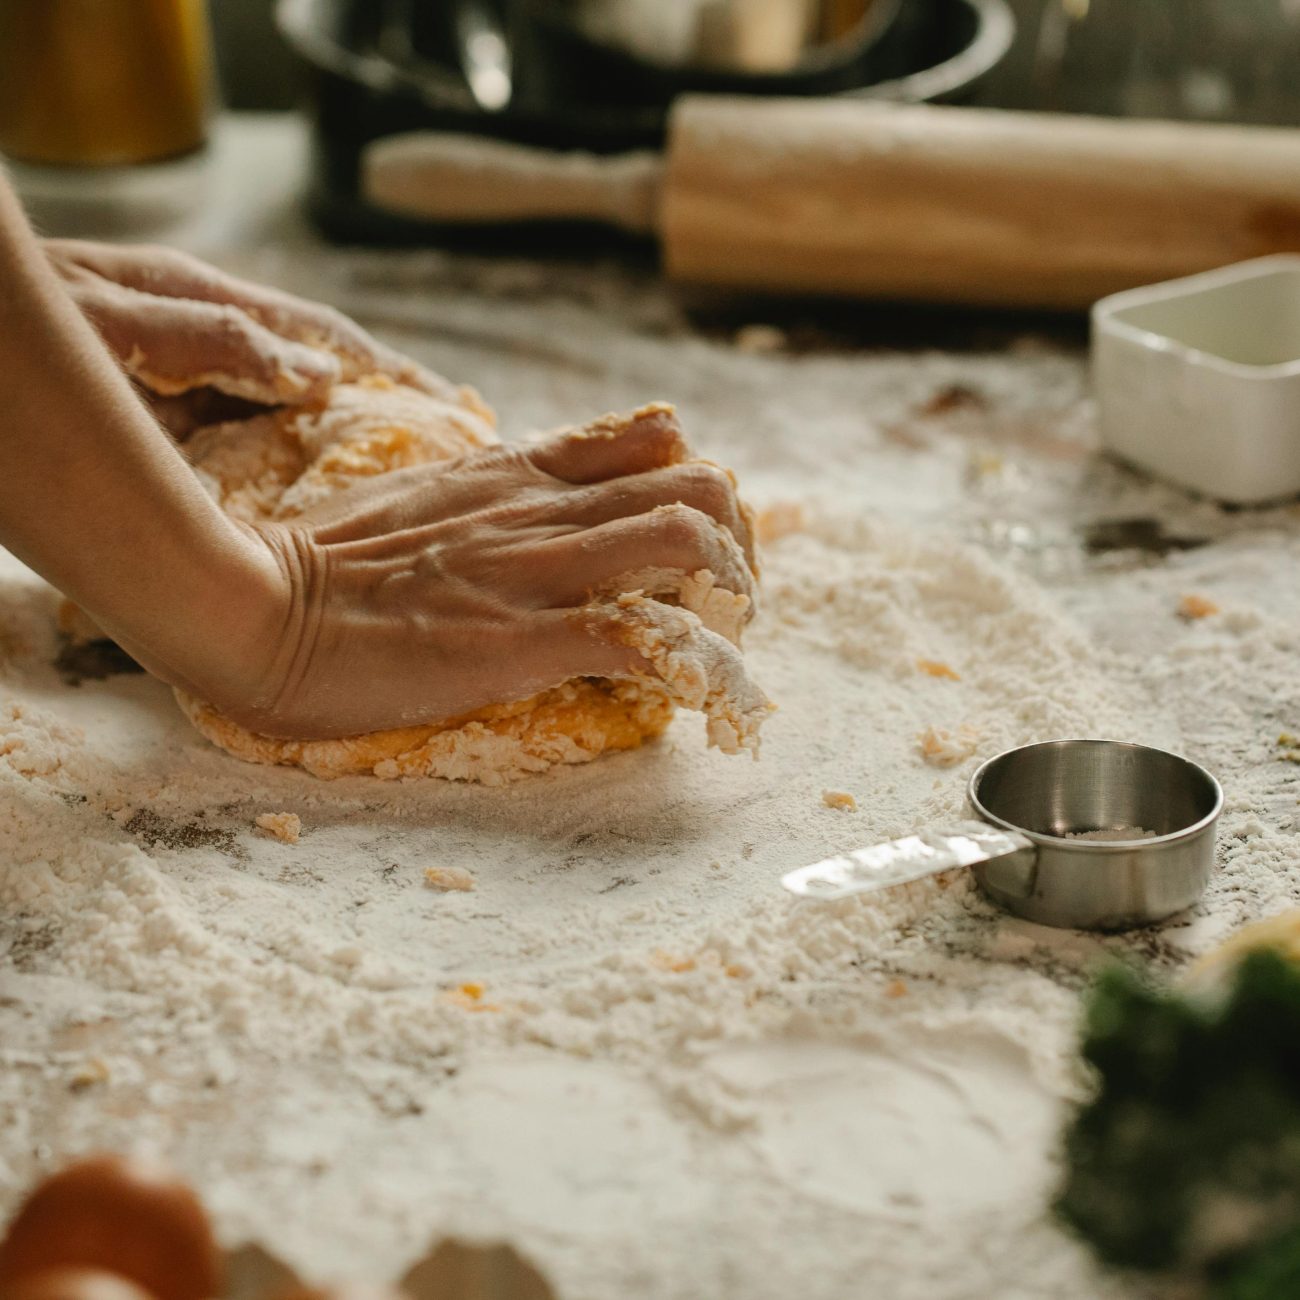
{"x":597,"y":950}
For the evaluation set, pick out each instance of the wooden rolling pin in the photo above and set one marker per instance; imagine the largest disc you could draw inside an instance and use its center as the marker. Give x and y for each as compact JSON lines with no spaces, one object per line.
{"x":849,"y":197}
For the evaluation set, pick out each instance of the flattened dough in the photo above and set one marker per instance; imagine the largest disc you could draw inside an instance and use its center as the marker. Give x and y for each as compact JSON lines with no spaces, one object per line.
{"x":279,"y":464}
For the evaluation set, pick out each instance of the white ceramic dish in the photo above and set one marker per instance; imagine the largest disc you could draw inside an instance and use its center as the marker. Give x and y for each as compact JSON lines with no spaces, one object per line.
{"x":1198,"y":380}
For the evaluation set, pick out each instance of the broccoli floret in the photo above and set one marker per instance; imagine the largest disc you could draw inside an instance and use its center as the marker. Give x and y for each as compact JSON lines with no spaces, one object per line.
{"x":1188,"y":1155}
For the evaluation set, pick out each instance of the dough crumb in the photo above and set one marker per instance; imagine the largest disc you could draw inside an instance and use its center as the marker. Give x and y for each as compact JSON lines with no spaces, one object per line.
{"x":779,"y":520}
{"x":88,"y":1073}
{"x":840,"y":799}
{"x":760,"y":339}
{"x":896,"y":989}
{"x":469,"y":997}
{"x":665,"y":961}
{"x":449,"y":879}
{"x":286,"y":827}
{"x":934,"y":668}
{"x":943,"y":748}
{"x":1194,"y":607}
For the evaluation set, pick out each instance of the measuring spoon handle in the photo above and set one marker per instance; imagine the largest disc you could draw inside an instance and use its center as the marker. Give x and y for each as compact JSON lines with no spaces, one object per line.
{"x":914,"y":857}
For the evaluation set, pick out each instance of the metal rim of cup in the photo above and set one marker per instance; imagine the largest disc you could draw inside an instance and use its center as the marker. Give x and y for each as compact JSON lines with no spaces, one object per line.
{"x":1097,"y":846}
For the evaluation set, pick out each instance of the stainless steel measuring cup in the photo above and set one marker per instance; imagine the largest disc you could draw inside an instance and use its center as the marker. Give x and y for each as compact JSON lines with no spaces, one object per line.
{"x":1160,"y":809}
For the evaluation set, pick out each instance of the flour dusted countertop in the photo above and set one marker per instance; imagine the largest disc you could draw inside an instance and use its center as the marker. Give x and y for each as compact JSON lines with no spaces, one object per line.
{"x":625,"y":1049}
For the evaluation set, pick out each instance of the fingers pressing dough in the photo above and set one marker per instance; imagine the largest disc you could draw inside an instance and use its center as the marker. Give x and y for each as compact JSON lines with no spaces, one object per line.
{"x":644,"y":655}
{"x":699,"y":669}
{"x":683,"y":541}
{"x":615,"y":445}
{"x":697,"y":483}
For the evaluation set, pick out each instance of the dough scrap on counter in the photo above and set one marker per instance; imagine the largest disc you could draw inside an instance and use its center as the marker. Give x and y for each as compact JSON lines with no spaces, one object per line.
{"x":1193,"y":607}
{"x":943,"y":748}
{"x":285,"y":827}
{"x":449,"y":880}
{"x":278,"y":464}
{"x":936,"y":668}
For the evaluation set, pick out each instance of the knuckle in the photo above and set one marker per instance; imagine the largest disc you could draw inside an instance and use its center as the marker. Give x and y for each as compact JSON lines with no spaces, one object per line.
{"x":539,"y":462}
{"x":90,"y":292}
{"x":551,"y":447}
{"x":684,"y":527}
{"x":707,"y":484}
{"x":596,"y":622}
{"x":663,"y":429}
{"x":511,"y":470}
{"x":231,"y":321}
{"x":611,"y":499}
{"x":162,"y":261}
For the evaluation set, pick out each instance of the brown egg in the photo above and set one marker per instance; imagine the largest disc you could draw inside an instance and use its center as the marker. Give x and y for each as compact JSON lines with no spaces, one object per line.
{"x":116,"y":1215}
{"x":71,"y":1284}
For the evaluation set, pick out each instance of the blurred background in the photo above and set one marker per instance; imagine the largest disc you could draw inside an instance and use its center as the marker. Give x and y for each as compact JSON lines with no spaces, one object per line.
{"x":1071,"y":52}
{"x":426,"y":119}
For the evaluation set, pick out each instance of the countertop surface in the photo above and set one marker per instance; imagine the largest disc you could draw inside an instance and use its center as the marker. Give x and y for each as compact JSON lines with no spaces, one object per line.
{"x":626,"y":1051}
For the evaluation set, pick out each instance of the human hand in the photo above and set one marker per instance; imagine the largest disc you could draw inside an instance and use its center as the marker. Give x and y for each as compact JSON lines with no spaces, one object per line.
{"x":181,"y":327}
{"x":433,"y":591}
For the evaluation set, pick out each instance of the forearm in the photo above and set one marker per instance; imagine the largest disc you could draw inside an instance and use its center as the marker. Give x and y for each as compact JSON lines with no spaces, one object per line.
{"x":94,"y":496}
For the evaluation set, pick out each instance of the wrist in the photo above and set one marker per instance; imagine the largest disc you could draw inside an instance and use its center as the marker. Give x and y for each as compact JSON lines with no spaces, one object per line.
{"x":210,"y":615}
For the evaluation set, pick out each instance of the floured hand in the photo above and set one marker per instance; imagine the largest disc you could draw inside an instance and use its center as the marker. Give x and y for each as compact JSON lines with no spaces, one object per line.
{"x":433,"y":591}
{"x":180,"y":326}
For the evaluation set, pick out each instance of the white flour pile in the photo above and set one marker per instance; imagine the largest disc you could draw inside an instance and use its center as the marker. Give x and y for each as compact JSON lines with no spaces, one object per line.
{"x":615,"y":1041}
